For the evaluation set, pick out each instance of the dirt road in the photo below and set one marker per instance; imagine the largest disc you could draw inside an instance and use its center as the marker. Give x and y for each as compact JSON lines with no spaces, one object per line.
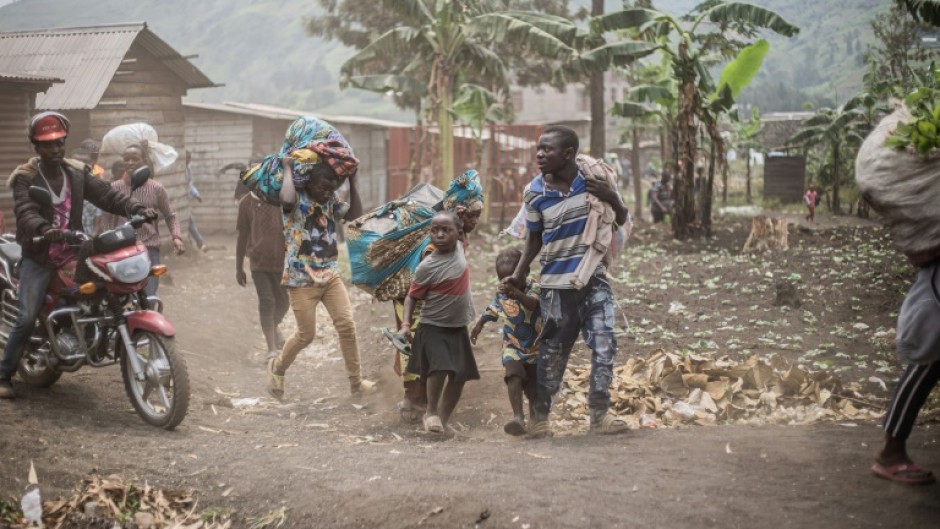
{"x":336,"y":461}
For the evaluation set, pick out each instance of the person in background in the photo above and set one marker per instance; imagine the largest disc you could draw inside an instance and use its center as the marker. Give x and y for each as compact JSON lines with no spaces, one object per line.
{"x":153,"y":195}
{"x":87,"y":153}
{"x":193,"y":194}
{"x":257,"y":221}
{"x":117,"y":170}
{"x":660,"y":198}
{"x":811,"y":199}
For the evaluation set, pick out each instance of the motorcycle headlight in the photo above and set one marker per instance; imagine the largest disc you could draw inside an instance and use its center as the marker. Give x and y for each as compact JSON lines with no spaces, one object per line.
{"x":131,"y":270}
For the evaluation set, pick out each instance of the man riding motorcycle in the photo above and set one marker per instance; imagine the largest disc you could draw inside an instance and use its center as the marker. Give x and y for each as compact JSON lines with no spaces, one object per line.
{"x":70,"y":183}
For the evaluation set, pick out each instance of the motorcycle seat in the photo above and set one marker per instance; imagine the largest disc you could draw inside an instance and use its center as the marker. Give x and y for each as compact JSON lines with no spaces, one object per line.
{"x":11,"y":253}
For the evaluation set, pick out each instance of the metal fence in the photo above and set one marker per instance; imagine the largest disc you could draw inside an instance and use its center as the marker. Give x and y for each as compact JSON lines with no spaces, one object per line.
{"x":506,"y":161}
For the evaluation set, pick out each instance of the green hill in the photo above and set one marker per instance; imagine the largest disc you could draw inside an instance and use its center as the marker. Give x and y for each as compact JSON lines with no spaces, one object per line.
{"x":259,"y":50}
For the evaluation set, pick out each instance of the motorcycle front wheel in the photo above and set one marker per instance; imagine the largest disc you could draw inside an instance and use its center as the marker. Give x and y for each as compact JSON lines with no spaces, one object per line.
{"x":162,"y":397}
{"x":34,"y":369}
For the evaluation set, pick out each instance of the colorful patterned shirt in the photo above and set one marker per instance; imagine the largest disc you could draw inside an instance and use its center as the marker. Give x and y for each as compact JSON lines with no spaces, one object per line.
{"x":521,"y":326}
{"x":310,"y":233}
{"x":560,"y":218}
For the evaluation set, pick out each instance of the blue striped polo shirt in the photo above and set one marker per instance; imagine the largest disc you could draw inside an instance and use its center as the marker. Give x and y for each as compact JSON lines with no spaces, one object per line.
{"x":561,"y":219}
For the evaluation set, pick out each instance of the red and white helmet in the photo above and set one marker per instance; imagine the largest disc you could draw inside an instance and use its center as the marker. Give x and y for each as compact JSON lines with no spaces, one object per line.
{"x":48,"y":126}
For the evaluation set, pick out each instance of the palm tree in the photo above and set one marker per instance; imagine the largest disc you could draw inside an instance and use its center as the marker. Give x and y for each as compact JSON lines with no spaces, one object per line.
{"x":714,"y":28}
{"x":926,"y":10}
{"x":832,"y":128}
{"x":451,"y":40}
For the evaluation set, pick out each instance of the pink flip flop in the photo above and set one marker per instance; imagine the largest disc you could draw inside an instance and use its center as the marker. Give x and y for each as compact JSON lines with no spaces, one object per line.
{"x":906,"y":473}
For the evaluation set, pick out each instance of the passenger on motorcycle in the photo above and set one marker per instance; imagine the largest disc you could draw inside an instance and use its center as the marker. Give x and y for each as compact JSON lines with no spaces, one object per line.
{"x":70,"y":183}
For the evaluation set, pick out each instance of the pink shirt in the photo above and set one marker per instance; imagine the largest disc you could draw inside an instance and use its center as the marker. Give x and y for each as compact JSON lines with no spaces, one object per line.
{"x":60,"y":252}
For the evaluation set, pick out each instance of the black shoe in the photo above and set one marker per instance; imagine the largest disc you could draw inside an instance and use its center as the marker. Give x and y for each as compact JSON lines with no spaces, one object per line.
{"x":6,"y":389}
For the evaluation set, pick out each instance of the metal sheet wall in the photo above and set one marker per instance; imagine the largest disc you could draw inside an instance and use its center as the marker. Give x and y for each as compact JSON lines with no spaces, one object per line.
{"x":16,"y":104}
{"x":784,"y":178}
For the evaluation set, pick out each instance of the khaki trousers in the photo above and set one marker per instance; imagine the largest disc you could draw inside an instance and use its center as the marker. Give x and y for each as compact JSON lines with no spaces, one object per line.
{"x":303,"y":302}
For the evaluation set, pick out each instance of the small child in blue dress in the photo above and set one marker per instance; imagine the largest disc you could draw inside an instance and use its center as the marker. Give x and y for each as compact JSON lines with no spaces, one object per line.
{"x":522,"y":323}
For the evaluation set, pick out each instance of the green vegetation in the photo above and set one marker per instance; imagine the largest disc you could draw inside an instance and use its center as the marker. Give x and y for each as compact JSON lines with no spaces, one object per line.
{"x":920,"y":133}
{"x":259,"y":48}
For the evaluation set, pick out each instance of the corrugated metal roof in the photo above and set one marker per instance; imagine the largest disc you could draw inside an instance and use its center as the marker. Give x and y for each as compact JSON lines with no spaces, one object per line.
{"x":86,"y":58}
{"x":279,"y":112}
{"x":26,"y":78}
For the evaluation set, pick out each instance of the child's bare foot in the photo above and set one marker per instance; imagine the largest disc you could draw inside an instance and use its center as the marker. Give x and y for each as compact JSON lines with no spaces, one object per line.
{"x":515,"y":427}
{"x":432,"y":424}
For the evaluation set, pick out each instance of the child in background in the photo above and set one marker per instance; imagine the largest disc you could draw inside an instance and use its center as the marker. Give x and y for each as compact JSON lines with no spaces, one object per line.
{"x":521,"y":325}
{"x":811,"y":200}
{"x":441,"y":352}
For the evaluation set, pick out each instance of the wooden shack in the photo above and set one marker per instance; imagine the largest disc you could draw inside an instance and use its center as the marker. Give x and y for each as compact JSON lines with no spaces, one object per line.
{"x":112,"y":75}
{"x":784,"y":177}
{"x":221,"y":134}
{"x":17,"y":105}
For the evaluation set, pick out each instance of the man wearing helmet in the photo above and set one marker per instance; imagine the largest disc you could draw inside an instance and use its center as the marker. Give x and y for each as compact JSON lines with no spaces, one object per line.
{"x":70,"y":183}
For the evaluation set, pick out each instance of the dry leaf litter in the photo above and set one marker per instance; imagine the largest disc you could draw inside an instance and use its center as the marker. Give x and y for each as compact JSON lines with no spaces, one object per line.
{"x":669,"y":390}
{"x":110,"y":498}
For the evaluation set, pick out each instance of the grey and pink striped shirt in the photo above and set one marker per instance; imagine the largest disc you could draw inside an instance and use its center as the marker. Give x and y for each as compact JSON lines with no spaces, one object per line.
{"x":153,"y":195}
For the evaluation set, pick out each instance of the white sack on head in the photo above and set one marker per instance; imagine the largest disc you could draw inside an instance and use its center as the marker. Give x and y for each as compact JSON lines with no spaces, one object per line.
{"x":123,"y":136}
{"x":904,"y":187}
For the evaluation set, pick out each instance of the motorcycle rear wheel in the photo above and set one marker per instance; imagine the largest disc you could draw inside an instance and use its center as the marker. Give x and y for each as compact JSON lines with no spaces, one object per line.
{"x":35,"y":371}
{"x":162,"y":398}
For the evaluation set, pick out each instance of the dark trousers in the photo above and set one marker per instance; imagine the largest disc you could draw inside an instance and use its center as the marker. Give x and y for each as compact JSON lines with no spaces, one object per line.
{"x":913,"y":389}
{"x":590,"y":312}
{"x":273,"y":302}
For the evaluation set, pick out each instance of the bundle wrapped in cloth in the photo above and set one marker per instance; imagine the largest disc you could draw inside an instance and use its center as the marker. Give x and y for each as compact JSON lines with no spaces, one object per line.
{"x":904,"y":187}
{"x":386,"y":244}
{"x":309,"y":141}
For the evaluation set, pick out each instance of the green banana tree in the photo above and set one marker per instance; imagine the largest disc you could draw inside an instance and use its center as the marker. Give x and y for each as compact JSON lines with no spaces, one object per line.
{"x":451,"y":40}
{"x":715,"y":30}
{"x":476,"y":107}
{"x":832,"y":128}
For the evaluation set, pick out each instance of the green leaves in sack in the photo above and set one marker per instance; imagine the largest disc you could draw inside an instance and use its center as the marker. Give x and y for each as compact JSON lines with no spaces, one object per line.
{"x":920,"y":133}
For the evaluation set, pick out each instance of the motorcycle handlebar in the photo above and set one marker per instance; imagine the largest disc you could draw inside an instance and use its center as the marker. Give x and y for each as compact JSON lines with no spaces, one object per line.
{"x":135,"y":221}
{"x":70,"y":237}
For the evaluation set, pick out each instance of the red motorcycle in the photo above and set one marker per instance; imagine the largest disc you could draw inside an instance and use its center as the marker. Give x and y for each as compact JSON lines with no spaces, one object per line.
{"x":96,"y":313}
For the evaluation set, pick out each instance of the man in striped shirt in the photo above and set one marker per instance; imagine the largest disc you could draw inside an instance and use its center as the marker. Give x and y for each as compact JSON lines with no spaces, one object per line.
{"x":557,"y":208}
{"x":153,"y":195}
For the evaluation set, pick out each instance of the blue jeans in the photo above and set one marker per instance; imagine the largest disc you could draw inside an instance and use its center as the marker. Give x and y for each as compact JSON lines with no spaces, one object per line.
{"x":194,"y":231}
{"x":589,"y":311}
{"x":154,"y":281}
{"x":34,"y":280}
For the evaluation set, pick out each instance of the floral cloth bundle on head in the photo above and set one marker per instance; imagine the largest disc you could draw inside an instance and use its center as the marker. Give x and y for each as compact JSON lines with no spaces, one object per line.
{"x":464,"y":193}
{"x":308,"y":141}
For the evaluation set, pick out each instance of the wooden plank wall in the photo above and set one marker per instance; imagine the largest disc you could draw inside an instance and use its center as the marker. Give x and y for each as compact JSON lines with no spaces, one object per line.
{"x":784,"y":178}
{"x":16,"y":104}
{"x":369,"y":143}
{"x":145,"y":90}
{"x":216,"y":139}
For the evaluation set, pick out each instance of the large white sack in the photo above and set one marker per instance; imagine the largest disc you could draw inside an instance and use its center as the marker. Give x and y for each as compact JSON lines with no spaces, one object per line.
{"x":904,"y":187}
{"x":123,"y":136}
